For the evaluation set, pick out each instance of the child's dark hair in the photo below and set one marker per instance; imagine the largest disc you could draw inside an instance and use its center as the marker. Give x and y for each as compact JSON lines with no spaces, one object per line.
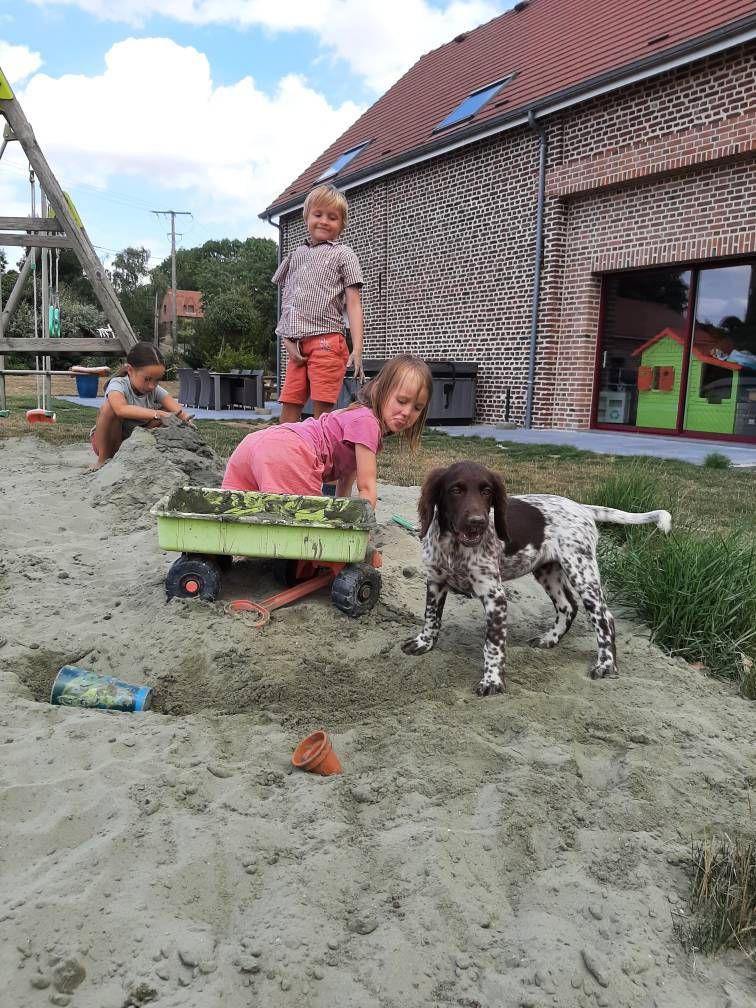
{"x":140,"y":355}
{"x":377,"y":391}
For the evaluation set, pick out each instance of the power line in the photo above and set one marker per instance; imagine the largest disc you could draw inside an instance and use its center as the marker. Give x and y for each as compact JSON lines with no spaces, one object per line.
{"x":107,"y":195}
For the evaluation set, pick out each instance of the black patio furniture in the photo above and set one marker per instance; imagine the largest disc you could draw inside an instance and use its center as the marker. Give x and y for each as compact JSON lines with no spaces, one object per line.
{"x":188,"y":386}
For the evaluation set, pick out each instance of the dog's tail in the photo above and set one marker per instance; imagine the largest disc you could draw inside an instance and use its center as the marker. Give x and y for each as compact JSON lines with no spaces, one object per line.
{"x":662,"y":519}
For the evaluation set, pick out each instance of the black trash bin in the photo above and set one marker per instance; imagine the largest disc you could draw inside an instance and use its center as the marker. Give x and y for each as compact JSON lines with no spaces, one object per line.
{"x":453,"y":399}
{"x":351,"y":387}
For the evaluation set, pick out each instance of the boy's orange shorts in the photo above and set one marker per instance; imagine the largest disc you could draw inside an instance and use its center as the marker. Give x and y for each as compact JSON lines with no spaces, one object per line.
{"x":321,"y":376}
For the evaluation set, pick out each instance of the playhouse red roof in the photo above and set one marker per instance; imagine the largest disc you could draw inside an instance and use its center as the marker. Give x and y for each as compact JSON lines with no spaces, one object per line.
{"x":704,"y":342}
{"x":560,"y":51}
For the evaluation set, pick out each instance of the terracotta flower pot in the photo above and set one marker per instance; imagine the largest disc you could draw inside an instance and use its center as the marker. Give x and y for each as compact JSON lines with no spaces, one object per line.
{"x":315,"y":753}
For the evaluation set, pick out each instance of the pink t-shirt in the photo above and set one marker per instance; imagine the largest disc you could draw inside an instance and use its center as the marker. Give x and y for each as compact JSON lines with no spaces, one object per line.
{"x":333,"y":436}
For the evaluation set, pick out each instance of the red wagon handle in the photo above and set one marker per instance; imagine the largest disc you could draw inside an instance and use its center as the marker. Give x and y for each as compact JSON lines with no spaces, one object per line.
{"x":266,"y":607}
{"x":312,"y":584}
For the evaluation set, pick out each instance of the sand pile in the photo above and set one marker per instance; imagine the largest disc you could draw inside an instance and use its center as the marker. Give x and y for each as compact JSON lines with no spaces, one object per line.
{"x":526,"y":850}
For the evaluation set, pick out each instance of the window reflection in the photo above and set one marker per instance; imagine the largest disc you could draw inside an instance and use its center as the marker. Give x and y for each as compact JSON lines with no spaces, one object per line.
{"x":644,"y":349}
{"x":721,"y":396}
{"x":644,"y":330}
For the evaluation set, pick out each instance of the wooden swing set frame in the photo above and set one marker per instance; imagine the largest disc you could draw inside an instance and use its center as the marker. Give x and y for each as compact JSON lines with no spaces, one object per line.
{"x":62,"y":230}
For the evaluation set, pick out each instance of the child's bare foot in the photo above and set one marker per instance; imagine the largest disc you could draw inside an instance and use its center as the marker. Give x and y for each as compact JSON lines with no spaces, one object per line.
{"x":95,"y":466}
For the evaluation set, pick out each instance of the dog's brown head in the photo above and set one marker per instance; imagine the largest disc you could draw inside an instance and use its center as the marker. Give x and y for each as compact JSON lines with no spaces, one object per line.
{"x":462,"y":495}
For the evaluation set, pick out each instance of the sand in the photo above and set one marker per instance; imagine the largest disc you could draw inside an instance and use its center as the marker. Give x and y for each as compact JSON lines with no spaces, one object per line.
{"x":524,"y":850}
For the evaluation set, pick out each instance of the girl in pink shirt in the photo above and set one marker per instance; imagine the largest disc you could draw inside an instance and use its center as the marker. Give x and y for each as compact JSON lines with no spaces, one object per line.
{"x":338,"y":447}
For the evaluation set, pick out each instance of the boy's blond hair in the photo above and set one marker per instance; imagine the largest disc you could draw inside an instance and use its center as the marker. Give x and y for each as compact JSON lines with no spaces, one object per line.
{"x":327,"y":195}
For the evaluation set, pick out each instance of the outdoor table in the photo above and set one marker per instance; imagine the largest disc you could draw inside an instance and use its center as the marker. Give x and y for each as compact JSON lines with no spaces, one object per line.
{"x":222,"y":388}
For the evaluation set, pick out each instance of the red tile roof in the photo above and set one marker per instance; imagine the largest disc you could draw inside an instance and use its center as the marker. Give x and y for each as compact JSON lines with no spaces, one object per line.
{"x":558,"y":49}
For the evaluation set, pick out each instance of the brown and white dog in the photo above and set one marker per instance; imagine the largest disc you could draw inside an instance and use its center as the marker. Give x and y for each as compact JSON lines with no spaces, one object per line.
{"x":474,"y":538}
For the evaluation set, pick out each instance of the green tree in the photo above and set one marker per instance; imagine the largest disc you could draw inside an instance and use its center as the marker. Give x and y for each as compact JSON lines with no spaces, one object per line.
{"x":130,"y":269}
{"x":67,"y":269}
{"x":139,"y":290}
{"x":219,"y":267}
{"x":231,"y":322}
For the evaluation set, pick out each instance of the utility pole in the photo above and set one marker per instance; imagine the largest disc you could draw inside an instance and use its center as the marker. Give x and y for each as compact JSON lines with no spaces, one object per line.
{"x":173,"y":215}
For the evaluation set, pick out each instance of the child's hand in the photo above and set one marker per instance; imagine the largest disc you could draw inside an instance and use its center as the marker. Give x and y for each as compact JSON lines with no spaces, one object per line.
{"x":292,"y":348}
{"x":355,"y":361}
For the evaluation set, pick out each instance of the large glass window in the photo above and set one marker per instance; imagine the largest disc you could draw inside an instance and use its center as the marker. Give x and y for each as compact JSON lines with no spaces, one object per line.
{"x":641,"y":351}
{"x":721,"y":394}
{"x":668,"y":365}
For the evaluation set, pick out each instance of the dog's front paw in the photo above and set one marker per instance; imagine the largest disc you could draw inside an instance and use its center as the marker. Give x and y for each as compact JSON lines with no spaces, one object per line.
{"x":548,"y":640}
{"x":417,"y":645}
{"x":606,"y":670}
{"x":490,"y":687}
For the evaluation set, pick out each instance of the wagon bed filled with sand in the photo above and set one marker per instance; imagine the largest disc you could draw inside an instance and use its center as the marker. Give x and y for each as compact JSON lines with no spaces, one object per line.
{"x":524,"y":850}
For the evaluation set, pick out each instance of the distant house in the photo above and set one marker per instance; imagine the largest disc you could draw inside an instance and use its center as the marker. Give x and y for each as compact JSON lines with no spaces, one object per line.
{"x":188,"y":306}
{"x":544,"y":194}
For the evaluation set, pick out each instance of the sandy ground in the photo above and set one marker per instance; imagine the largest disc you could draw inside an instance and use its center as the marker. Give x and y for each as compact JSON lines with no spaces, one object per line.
{"x":525,"y":850}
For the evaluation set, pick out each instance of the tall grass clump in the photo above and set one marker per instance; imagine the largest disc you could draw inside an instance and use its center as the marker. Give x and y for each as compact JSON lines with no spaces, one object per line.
{"x":698,"y":596}
{"x":723,"y":896}
{"x":631,"y":488}
{"x":716,"y":460}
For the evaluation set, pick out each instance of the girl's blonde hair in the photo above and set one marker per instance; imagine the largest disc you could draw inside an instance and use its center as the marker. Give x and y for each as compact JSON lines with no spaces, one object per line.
{"x":327,"y":195}
{"x":378,"y":390}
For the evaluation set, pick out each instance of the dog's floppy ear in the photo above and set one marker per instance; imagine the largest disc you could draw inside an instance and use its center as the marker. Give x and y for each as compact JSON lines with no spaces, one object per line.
{"x":499,"y":506}
{"x":431,"y":498}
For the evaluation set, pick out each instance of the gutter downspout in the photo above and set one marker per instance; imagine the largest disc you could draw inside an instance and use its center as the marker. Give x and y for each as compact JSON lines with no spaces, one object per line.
{"x":543,"y":151}
{"x":269,"y":220}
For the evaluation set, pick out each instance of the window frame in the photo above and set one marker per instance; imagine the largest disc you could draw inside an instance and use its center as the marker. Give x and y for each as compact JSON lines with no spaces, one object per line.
{"x":342,"y":161}
{"x":453,"y":118}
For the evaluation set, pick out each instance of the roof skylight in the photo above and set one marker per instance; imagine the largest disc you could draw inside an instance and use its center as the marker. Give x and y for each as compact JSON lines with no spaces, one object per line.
{"x":342,"y":161}
{"x":473,"y":103}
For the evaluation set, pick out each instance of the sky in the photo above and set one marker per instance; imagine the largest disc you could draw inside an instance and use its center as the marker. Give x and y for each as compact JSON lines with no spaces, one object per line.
{"x":211,"y":107}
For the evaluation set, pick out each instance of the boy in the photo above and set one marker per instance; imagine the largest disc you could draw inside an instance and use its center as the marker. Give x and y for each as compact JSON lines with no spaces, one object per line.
{"x":320,"y":278}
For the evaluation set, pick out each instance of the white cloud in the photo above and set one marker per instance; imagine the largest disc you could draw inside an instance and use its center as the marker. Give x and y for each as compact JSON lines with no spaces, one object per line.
{"x":230,"y":149}
{"x":18,"y":61}
{"x":378,"y":39}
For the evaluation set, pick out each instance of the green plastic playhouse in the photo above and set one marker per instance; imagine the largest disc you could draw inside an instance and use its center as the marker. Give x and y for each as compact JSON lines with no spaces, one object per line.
{"x":713,"y":385}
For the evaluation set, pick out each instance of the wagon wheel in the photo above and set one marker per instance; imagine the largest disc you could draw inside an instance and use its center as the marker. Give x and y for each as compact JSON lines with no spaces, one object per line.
{"x":355,"y":589}
{"x":193,"y":577}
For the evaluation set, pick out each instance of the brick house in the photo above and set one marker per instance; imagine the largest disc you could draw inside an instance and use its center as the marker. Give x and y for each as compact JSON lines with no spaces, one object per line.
{"x":188,"y":307}
{"x":623,"y":134}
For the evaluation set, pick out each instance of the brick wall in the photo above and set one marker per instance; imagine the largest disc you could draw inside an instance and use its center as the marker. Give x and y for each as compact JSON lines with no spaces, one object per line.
{"x":660,"y":172}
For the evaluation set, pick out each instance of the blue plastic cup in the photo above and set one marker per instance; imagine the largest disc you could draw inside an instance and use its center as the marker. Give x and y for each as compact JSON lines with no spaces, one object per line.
{"x":76,"y":687}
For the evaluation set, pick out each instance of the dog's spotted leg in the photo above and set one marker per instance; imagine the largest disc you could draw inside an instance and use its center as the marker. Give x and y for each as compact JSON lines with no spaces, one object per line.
{"x":435,"y":596}
{"x":495,"y":646}
{"x":583,"y":573}
{"x":551,"y":578}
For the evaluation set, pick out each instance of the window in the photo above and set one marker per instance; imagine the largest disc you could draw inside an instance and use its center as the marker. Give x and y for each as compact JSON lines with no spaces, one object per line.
{"x":472,"y":104}
{"x":342,"y":161}
{"x":675,"y":363}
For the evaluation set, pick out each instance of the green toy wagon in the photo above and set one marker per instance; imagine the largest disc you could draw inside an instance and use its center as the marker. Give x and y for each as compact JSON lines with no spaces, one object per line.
{"x":312,"y":540}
